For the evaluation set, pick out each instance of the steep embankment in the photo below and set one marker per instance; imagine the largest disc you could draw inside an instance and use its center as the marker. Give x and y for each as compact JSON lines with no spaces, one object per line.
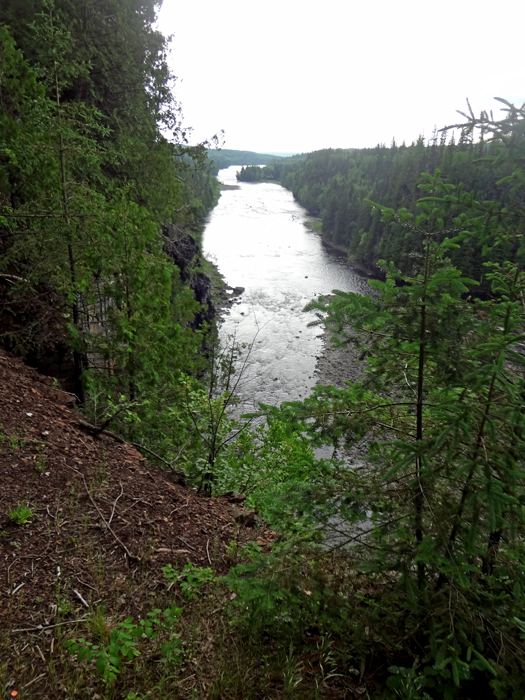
{"x":101,"y":523}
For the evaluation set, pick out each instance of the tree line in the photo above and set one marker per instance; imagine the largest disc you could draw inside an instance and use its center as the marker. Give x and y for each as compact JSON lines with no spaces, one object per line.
{"x":224,"y":157}
{"x":335,"y":184}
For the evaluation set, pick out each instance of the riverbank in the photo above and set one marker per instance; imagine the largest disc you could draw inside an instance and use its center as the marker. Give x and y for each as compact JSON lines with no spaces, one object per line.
{"x":338,"y":364}
{"x":223,"y":296}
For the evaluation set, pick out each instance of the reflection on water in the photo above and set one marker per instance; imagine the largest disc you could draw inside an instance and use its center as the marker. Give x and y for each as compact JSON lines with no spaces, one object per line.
{"x":258,"y":238}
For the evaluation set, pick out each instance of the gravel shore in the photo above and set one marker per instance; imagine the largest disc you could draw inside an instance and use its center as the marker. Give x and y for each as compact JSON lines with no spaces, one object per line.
{"x":337,"y":365}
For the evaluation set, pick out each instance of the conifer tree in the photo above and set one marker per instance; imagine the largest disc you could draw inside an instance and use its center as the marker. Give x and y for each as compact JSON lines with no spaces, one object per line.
{"x":434,"y":511}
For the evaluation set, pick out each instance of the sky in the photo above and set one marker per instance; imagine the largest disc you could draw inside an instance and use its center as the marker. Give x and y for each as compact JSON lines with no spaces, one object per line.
{"x":298,"y":75}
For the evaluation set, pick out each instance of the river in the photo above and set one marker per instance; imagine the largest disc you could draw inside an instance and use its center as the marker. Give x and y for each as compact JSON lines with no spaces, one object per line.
{"x":259,"y":238}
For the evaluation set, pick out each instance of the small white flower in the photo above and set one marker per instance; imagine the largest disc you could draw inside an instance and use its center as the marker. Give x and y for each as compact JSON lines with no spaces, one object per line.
{"x":29,"y":414}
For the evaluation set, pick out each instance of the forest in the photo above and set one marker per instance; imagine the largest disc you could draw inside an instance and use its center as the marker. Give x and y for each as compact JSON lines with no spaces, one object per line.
{"x":397,"y":575}
{"x":336,"y":185}
{"x":101,"y":195}
{"x":224,"y":157}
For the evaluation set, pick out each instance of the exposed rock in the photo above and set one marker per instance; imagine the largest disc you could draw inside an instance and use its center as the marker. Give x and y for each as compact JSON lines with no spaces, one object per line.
{"x":248,"y":518}
{"x":234,"y":497}
{"x":183,"y":249}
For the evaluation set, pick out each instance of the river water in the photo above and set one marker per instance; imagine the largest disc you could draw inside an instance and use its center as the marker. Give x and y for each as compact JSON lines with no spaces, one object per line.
{"x":258,"y":237}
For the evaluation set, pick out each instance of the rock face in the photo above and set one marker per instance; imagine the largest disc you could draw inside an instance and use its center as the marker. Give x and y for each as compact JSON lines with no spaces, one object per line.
{"x":34,"y":326}
{"x":183,"y":249}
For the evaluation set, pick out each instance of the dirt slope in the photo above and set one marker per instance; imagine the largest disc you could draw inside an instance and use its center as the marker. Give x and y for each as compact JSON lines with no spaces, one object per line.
{"x":103,"y":520}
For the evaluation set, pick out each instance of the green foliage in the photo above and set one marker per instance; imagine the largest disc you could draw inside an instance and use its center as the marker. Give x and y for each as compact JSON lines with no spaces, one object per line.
{"x":21,"y":514}
{"x":191,"y":579}
{"x":124,"y":642}
{"x":407,"y":683}
{"x":429,"y":520}
{"x":432,"y":514}
{"x":252,"y":173}
{"x":86,"y":183}
{"x":287,"y":592}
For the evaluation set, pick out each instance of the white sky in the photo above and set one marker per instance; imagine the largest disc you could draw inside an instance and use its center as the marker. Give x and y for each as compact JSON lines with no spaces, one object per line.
{"x":298,"y":75}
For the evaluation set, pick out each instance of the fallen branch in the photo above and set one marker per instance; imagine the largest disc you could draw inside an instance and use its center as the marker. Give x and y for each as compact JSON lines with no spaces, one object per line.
{"x":95,"y":431}
{"x":98,"y":431}
{"x":179,"y":475}
{"x":134,"y":557}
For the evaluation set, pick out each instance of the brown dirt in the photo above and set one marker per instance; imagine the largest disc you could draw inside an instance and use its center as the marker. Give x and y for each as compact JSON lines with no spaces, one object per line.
{"x":73,"y":481}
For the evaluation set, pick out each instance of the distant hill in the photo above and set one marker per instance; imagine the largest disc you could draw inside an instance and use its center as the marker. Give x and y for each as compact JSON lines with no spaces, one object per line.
{"x":283,"y":155}
{"x":225,"y":157}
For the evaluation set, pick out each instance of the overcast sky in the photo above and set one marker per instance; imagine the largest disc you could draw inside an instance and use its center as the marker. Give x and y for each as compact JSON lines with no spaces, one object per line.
{"x":298,"y":75}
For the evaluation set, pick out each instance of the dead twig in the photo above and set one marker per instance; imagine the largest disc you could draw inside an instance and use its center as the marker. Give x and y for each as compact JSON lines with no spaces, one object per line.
{"x":135,"y":501}
{"x":179,"y":508}
{"x":25,"y":556}
{"x":187,"y":543}
{"x":208,"y":551}
{"x":14,"y":278}
{"x":41,"y":628}
{"x":86,"y":584}
{"x":134,"y":557}
{"x":34,"y":680}
{"x":115,"y":505}
{"x":84,"y":603}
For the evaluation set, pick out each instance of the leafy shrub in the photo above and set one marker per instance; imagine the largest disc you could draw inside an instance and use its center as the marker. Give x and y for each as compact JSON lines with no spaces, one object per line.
{"x":191,"y":578}
{"x":123,"y":643}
